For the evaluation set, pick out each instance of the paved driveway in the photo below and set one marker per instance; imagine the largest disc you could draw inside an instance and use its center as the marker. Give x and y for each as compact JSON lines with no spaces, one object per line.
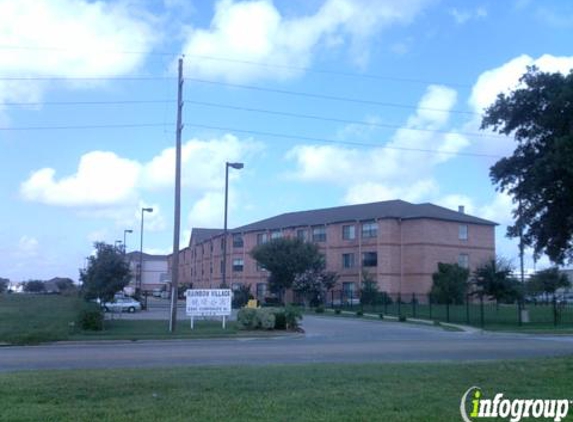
{"x":326,"y":340}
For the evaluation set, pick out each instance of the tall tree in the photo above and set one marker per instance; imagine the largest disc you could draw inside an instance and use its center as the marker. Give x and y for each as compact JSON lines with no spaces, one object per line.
{"x":34,"y":286}
{"x":285,"y":258}
{"x":450,"y":283}
{"x":548,"y":281}
{"x":494,"y":279}
{"x":539,"y":173}
{"x":4,"y":282}
{"x":107,"y":272}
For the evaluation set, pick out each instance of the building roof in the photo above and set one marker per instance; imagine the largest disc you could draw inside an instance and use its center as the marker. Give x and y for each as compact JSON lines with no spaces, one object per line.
{"x":362,"y":212}
{"x":134,"y":255}
{"x":199,"y":235}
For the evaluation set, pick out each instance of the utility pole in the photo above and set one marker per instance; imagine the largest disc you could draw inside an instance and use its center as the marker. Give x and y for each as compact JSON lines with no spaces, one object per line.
{"x":177,"y":219}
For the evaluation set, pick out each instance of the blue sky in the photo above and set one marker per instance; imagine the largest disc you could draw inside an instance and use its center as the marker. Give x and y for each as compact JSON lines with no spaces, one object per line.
{"x":327,"y":102}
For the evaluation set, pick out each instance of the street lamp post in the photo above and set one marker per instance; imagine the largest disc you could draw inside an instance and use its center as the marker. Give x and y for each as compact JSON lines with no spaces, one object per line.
{"x":236,"y":166}
{"x":138,"y":284}
{"x":118,"y":242}
{"x":125,"y":244}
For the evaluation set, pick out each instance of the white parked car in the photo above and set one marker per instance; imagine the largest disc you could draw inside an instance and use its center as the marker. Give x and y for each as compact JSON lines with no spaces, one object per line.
{"x":122,"y":304}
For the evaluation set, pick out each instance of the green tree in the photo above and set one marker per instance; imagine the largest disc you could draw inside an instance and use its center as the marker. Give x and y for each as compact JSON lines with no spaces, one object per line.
{"x":34,"y":286}
{"x":548,"y":281}
{"x":450,"y":283}
{"x":4,"y":282}
{"x":285,"y":258}
{"x":493,"y":279}
{"x":369,"y":293}
{"x":107,"y":272}
{"x":539,"y":173}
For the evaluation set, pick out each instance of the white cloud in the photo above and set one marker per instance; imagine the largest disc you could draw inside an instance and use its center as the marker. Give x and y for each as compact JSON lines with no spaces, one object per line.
{"x":202,"y":161}
{"x":462,"y":16}
{"x":503,"y":79}
{"x":102,"y":178}
{"x":256,"y":31}
{"x":387,"y":173}
{"x":27,"y":246}
{"x":69,"y":38}
{"x":208,"y":210}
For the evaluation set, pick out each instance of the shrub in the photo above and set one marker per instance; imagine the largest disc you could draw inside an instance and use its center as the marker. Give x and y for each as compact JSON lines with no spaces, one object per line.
{"x":280,"y":319}
{"x":402,"y":318}
{"x":91,"y":318}
{"x":381,"y":316}
{"x":337,"y":311}
{"x":246,"y":319}
{"x":359,"y":313}
{"x":265,"y":318}
{"x":319,"y":310}
{"x":293,"y":315}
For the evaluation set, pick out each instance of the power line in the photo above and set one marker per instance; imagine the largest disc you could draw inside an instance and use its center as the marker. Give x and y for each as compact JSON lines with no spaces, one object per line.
{"x":91,"y":126}
{"x":334,"y":141}
{"x":64,"y":103}
{"x":337,"y":120}
{"x":328,"y":97}
{"x":86,"y":78}
{"x":251,"y":132}
{"x":247,"y":63}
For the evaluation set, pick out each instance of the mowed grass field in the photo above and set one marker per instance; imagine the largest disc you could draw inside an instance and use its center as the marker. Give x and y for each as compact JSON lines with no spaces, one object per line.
{"x":314,"y":392}
{"x":33,"y":319}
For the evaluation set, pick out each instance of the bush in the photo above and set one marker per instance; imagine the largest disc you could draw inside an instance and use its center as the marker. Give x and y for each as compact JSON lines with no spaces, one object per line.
{"x":337,"y":311}
{"x":265,"y":319}
{"x":91,"y":318}
{"x":319,"y":310}
{"x":292,"y":315}
{"x":247,"y":319}
{"x":402,"y":318}
{"x":381,"y":316}
{"x":280,"y":319}
{"x":359,"y":313}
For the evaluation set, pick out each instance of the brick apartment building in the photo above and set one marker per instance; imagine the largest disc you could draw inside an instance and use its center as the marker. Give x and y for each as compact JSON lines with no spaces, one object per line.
{"x":398,"y":243}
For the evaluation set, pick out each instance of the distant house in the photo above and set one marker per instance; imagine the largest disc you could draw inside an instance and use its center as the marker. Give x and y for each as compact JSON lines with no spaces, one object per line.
{"x":154,"y":274}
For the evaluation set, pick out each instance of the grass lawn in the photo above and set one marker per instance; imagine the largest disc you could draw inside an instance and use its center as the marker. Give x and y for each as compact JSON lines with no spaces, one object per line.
{"x":32,"y":319}
{"x":319,"y":392}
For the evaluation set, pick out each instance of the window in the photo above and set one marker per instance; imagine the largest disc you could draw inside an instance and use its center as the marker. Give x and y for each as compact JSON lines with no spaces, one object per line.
{"x":370,"y":259}
{"x":276,"y":234}
{"x":369,"y":230}
{"x":463,"y":232}
{"x":238,"y":264}
{"x":235,"y":286}
{"x":301,"y":235}
{"x":347,"y":260}
{"x":260,"y":267}
{"x":348,"y":286}
{"x":349,"y":232}
{"x":237,"y":240}
{"x":261,"y":291}
{"x":319,"y":234}
{"x":464,"y":260}
{"x":262,"y":238}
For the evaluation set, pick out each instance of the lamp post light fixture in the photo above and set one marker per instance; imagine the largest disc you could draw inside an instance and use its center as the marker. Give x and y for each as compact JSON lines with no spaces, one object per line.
{"x":139,"y":279}
{"x":236,"y":166}
{"x":124,"y":243}
{"x":118,"y":244}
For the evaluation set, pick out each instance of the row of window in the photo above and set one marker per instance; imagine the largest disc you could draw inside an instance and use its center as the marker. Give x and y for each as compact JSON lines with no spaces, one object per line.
{"x":369,"y":230}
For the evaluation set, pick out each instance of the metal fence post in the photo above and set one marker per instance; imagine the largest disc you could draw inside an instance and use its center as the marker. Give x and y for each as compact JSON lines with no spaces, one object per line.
{"x":332,"y":299}
{"x":554,"y":310}
{"x":414,"y":304}
{"x":448,"y":310}
{"x":468,"y":309}
{"x":481,"y":315}
{"x":430,"y":304}
{"x":519,"y":319}
{"x":386,"y":300}
{"x":399,"y":305}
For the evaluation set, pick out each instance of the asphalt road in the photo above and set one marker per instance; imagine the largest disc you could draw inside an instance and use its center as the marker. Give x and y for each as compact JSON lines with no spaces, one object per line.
{"x":326,"y":340}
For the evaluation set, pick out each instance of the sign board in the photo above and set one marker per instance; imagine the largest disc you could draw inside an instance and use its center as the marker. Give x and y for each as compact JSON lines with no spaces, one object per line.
{"x":208,"y":302}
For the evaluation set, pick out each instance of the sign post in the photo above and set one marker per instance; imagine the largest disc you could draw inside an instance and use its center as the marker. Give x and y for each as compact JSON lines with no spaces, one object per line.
{"x":208,"y":303}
